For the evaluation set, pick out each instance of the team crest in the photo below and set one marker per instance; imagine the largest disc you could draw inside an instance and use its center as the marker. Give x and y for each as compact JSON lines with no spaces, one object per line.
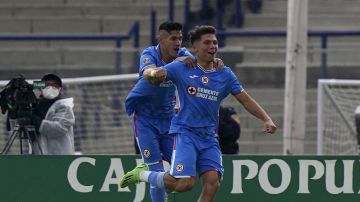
{"x":179,"y":168}
{"x":191,"y":90}
{"x":205,"y":79}
{"x":146,"y":60}
{"x":146,"y":153}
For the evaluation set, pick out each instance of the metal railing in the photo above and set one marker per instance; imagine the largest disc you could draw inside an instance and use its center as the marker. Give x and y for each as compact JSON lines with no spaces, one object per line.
{"x":117,"y":38}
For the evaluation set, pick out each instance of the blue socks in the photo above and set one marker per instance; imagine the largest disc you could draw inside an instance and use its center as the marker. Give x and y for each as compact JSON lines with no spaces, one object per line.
{"x":156,"y":180}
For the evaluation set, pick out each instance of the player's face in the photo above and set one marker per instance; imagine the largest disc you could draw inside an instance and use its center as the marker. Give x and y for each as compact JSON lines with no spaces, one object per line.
{"x":172,"y":42}
{"x":207,"y":47}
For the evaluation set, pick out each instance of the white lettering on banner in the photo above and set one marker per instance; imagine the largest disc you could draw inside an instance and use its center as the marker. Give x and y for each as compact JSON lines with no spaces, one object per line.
{"x":304,"y":174}
{"x":321,"y":169}
{"x":117,"y":168}
{"x":347,"y":187}
{"x":332,"y":176}
{"x":285,"y":176}
{"x":72,"y":175}
{"x":237,"y":177}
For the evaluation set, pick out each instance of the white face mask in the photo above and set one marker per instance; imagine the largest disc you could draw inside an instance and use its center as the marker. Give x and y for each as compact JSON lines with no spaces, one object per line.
{"x":50,"y":92}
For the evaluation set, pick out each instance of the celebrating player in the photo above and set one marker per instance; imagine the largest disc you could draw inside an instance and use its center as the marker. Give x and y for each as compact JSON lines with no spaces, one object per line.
{"x":196,"y":148}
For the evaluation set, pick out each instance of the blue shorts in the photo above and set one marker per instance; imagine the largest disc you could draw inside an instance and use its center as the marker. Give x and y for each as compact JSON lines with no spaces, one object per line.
{"x":152,"y":136}
{"x":194,"y":153}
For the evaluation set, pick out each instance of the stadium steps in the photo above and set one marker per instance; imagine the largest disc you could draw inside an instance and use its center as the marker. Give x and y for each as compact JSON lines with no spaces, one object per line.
{"x":316,"y":22}
{"x":96,"y":61}
{"x":273,"y":74}
{"x":261,"y":143}
{"x":77,"y":17}
{"x":252,"y":138}
{"x":315,"y":6}
{"x":72,"y":24}
{"x":266,"y":55}
{"x":335,"y":57}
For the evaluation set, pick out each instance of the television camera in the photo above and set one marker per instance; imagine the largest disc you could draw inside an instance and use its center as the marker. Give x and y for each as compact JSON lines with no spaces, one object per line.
{"x":18,"y":100}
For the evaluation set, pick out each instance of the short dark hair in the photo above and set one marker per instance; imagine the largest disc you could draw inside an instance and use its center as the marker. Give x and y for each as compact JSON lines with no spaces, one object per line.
{"x":170,"y":26}
{"x":198,"y":31}
{"x":52,"y":77}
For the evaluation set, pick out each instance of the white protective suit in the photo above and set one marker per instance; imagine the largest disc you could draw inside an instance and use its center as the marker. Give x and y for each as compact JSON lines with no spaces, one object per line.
{"x":56,"y":130}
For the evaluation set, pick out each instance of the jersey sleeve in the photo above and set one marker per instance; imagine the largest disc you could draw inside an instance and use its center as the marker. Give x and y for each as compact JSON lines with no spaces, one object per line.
{"x":141,"y":89}
{"x":185,"y":52}
{"x":145,"y":61}
{"x":235,"y":85}
{"x":174,"y":70}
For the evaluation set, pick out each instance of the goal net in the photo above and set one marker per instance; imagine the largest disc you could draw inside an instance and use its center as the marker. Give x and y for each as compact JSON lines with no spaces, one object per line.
{"x":336,"y":130}
{"x":101,"y":124}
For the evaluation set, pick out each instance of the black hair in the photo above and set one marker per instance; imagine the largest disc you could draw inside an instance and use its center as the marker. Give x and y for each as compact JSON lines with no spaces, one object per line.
{"x":198,"y":31}
{"x":52,"y":77}
{"x":170,"y":26}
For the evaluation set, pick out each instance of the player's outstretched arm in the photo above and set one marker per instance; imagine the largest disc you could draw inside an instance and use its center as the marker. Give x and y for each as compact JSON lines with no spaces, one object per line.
{"x":155,"y":74}
{"x":255,"y":109}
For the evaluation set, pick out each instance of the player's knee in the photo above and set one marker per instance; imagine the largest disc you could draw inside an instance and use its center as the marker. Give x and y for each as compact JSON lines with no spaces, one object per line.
{"x":185,"y":184}
{"x":212,"y":186}
{"x":211,"y":181}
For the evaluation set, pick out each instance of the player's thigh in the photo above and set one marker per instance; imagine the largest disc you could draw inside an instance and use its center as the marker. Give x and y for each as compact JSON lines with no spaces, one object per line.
{"x":184,"y":157}
{"x":167,"y":146}
{"x":210,"y":158}
{"x":146,"y":137}
{"x":166,"y":140}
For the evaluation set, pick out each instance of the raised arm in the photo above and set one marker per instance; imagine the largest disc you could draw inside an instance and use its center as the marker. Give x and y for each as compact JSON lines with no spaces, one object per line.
{"x":255,"y":109}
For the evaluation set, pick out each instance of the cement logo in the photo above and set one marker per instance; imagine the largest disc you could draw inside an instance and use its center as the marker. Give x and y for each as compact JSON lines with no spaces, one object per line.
{"x":205,"y":79}
{"x":146,"y":153}
{"x":191,"y":90}
{"x":179,"y":168}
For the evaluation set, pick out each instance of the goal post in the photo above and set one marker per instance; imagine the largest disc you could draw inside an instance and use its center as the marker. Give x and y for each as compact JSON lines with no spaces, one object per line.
{"x":101,"y":123}
{"x":336,"y":128}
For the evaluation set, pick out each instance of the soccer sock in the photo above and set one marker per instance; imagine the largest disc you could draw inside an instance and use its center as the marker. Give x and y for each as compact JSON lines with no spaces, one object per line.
{"x":156,"y":181}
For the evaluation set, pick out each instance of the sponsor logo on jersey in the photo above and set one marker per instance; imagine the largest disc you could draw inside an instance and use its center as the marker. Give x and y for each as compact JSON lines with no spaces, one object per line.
{"x":193,"y":76}
{"x":203,"y":93}
{"x":179,"y":168}
{"x":191,"y":90}
{"x":146,"y":153}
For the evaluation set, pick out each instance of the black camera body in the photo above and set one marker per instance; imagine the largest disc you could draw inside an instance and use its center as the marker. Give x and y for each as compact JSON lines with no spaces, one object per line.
{"x":19,"y":100}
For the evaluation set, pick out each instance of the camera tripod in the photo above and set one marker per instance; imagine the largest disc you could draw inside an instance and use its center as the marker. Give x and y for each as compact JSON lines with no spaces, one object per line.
{"x":23,"y":132}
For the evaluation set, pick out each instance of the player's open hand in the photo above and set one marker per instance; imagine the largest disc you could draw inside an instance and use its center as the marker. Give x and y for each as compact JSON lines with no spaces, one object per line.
{"x":188,"y":60}
{"x":218,"y":63}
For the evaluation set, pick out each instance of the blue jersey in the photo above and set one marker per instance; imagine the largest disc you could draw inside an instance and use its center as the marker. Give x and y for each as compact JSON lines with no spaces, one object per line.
{"x":148,"y":99}
{"x":200,"y":93}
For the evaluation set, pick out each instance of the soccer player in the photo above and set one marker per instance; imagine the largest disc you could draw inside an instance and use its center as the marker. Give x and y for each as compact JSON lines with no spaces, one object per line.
{"x":152,"y":106}
{"x":196,"y":147}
